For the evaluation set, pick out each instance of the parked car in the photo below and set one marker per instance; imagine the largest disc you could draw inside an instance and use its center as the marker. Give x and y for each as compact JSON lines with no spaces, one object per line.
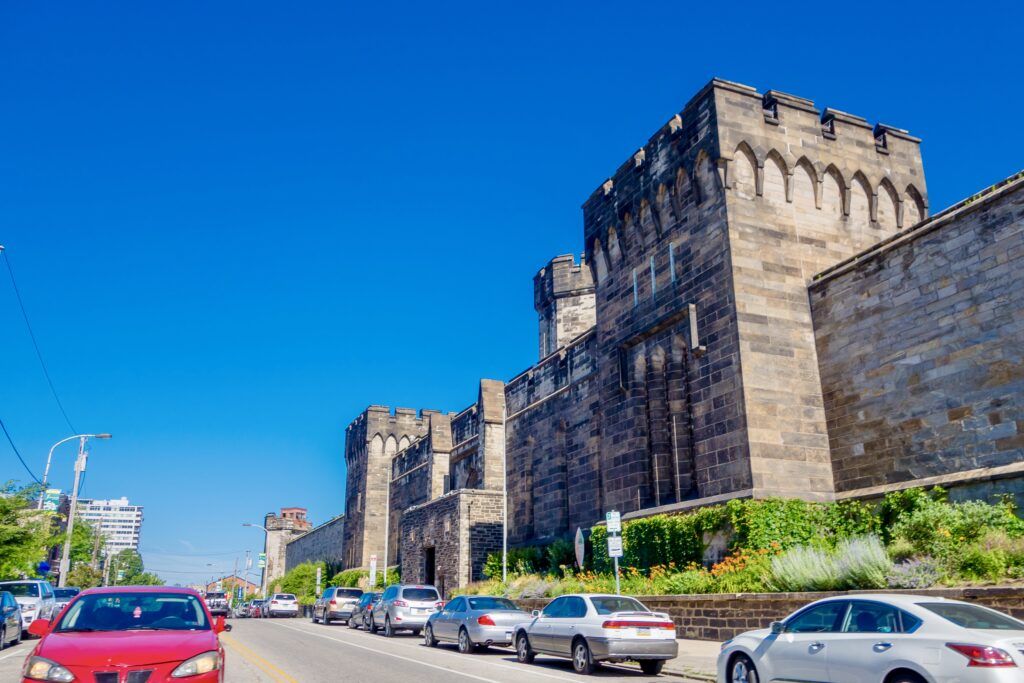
{"x":404,"y":607}
{"x":217,"y":601}
{"x":874,"y":638}
{"x":241,"y":610}
{"x":62,"y":596}
{"x":336,"y":603}
{"x":256,"y":609}
{"x":282,"y":605}
{"x":34,"y":597}
{"x":77,"y":646}
{"x":474,"y":621}
{"x":361,"y":617}
{"x":598,"y":628}
{"x":10,"y":620}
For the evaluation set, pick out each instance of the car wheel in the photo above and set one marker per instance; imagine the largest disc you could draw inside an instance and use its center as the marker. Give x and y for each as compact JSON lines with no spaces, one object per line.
{"x":313,"y":618}
{"x":524,"y":653}
{"x":21,"y":632}
{"x":3,"y":637}
{"x":352,"y":623}
{"x":652,"y":667}
{"x":373,"y":625}
{"x":581,"y":661}
{"x":742,"y":670}
{"x":428,"y":636}
{"x":906,"y":677}
{"x":388,"y":631}
{"x":465,"y":643}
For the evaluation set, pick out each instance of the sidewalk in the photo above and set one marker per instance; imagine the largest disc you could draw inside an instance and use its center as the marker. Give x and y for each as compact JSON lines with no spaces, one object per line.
{"x":696,"y":660}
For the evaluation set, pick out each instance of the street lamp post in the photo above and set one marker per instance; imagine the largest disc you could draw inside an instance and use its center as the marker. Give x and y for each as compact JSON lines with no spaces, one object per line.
{"x":83,"y":455}
{"x":504,"y":489}
{"x":49,"y":458}
{"x":263,"y":573}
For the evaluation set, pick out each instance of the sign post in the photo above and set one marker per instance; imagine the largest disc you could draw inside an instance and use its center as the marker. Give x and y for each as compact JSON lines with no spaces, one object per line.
{"x":581,"y":547}
{"x":373,"y":571}
{"x":613,"y":523}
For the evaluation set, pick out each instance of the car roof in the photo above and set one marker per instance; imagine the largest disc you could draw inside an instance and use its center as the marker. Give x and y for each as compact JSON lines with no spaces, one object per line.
{"x":139,"y":589}
{"x":24,"y":581}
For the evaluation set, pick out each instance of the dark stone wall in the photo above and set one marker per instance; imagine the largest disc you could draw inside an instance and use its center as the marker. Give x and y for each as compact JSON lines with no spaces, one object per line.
{"x":921,"y":348}
{"x":324,"y":543}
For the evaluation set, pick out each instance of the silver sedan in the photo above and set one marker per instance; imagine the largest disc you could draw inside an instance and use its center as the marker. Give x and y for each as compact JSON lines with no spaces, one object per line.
{"x":474,"y":622}
{"x":888,"y":638}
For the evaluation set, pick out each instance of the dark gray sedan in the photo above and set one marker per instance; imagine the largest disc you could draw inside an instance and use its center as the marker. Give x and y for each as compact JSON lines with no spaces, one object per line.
{"x":474,"y":621}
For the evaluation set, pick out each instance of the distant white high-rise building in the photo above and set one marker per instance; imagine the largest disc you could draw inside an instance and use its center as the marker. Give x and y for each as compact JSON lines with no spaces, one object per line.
{"x":119,"y":522}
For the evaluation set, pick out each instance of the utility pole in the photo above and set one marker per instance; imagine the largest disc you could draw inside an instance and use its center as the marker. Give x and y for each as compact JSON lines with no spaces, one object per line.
{"x":65,"y":560}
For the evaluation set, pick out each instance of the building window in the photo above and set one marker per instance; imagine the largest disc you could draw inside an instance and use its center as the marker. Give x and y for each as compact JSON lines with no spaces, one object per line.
{"x":636,"y":294}
{"x":672,"y":261}
{"x":654,"y":281}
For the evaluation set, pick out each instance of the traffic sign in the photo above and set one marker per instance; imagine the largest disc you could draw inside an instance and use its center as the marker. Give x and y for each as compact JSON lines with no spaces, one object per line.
{"x":373,"y":571}
{"x":613,"y":520}
{"x":614,"y":546}
{"x":262,"y":561}
{"x":581,"y":547}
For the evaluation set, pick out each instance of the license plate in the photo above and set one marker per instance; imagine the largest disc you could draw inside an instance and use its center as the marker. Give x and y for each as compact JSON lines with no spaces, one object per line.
{"x":508,"y":635}
{"x":417,"y":610}
{"x":643,"y":632}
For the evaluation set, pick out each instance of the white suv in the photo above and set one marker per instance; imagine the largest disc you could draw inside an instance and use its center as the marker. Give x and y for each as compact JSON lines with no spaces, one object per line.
{"x":35,"y":598}
{"x":282,"y":605}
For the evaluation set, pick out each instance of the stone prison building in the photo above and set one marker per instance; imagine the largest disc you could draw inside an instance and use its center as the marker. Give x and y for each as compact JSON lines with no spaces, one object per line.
{"x":764,"y":307}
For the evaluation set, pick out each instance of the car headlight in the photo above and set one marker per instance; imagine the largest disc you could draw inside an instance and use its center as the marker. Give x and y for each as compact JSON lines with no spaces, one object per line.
{"x":29,"y":608}
{"x":41,"y":669}
{"x":200,"y":664}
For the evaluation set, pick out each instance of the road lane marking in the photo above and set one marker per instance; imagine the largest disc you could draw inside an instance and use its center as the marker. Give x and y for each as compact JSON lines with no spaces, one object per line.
{"x":276,"y":673}
{"x":390,"y":654}
{"x":504,"y":665}
{"x":13,"y":654}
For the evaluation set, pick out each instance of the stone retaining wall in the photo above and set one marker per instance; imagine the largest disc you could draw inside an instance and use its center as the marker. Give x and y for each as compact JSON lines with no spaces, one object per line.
{"x":723,"y":616}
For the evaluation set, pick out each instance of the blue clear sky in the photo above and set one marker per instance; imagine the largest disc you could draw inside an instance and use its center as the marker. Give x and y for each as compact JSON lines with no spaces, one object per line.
{"x":237,"y":224}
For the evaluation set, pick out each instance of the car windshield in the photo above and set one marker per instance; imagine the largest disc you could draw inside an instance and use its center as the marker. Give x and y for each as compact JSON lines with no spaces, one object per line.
{"x":420,"y":594}
{"x":284,"y":596}
{"x":61,"y":593}
{"x":135,"y":611}
{"x":973,"y":616}
{"x":492,"y":603}
{"x":349,"y":593}
{"x":611,"y":604}
{"x":214,"y":596}
{"x":21,"y":590}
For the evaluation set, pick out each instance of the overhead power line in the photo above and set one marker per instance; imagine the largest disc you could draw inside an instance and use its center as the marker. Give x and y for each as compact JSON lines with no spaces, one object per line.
{"x":35,"y":343}
{"x":15,"y":449}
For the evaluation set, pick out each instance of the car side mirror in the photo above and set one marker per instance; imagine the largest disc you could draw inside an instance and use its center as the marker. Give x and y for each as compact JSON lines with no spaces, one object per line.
{"x":535,"y":613}
{"x":39,"y":627}
{"x":778,"y":627}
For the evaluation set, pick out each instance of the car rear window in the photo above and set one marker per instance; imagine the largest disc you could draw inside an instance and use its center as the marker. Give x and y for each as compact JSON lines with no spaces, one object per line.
{"x":492,"y":603}
{"x":420,"y":594}
{"x":65,"y":592}
{"x":284,"y":596}
{"x":973,"y":616}
{"x":214,"y":596}
{"x":349,"y":593}
{"x":611,"y":604}
{"x":21,"y":590}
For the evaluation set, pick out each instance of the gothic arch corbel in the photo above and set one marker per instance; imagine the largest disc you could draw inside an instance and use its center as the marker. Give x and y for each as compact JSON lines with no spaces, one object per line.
{"x":722,"y":165}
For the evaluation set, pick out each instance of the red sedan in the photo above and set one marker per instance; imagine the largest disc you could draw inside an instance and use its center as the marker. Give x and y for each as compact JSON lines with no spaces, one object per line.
{"x":133,"y":634}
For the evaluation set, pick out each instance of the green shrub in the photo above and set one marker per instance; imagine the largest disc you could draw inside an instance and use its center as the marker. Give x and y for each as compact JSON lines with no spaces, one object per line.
{"x":804,"y":568}
{"x":862,"y":563}
{"x":521,"y":561}
{"x":560,"y":553}
{"x":690,"y":581}
{"x":901,"y":550}
{"x":920,"y":573}
{"x":350,"y":578}
{"x":980,"y":564}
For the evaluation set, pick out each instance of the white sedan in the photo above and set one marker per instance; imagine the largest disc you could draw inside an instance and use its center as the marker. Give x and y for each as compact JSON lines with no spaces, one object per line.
{"x":885,"y":638}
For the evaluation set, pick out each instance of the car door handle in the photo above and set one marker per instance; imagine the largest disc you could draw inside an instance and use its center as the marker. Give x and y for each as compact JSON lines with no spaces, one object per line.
{"x":882,"y":647}
{"x":817,"y":645}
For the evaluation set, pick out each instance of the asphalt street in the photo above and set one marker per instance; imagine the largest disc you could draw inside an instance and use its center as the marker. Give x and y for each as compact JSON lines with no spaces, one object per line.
{"x":297,"y":651}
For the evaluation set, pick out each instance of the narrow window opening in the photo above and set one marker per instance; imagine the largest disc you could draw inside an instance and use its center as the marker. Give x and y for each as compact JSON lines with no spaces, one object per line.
{"x":636,"y":293}
{"x":654,"y":281}
{"x":672,"y":261}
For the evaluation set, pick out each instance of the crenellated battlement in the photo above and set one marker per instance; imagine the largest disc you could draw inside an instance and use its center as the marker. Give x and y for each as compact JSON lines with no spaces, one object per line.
{"x":563,"y":296}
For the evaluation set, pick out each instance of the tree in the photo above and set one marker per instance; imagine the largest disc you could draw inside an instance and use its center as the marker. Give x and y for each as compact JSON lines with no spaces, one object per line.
{"x":126,"y":569}
{"x":24,"y":531}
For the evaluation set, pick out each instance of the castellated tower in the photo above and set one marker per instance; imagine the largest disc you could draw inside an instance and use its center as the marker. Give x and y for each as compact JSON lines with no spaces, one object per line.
{"x":371,"y":441}
{"x":563,"y":294}
{"x":702,"y":246}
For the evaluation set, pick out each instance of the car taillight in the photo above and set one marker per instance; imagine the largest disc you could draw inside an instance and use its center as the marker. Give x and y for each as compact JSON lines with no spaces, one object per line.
{"x":333,"y":603}
{"x":273,"y":602}
{"x":623,"y":623}
{"x":982,"y":655}
{"x":485,"y":620}
{"x":439,"y":604}
{"x":400,"y":603}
